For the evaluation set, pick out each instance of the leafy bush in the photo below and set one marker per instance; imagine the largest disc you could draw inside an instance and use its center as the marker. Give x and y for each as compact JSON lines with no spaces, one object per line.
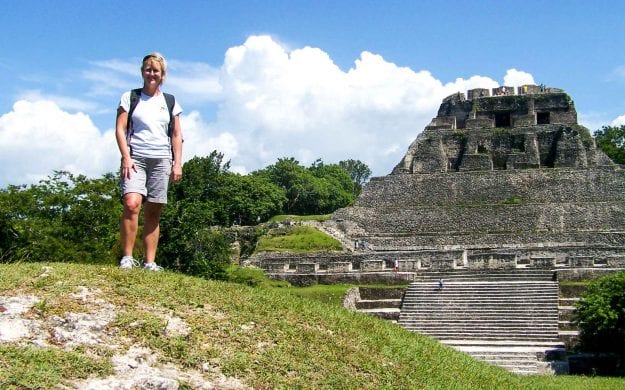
{"x":251,"y":276}
{"x":601,"y":315}
{"x":196,"y":250}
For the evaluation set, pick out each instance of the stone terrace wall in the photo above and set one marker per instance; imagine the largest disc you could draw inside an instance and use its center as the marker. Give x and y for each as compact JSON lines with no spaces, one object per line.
{"x":606,"y":184}
{"x":609,"y":242}
{"x":303,"y":269}
{"x":491,"y":210}
{"x":495,"y":218}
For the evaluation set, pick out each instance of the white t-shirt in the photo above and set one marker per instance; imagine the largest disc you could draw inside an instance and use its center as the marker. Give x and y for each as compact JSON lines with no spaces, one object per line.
{"x":150,"y":120}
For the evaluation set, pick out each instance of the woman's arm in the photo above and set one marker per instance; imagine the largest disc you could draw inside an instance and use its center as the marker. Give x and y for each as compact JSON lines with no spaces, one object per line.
{"x":120,"y":134}
{"x":176,"y":145}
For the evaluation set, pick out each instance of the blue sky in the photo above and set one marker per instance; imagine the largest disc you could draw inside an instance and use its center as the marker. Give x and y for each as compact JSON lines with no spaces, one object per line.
{"x":260,"y":80}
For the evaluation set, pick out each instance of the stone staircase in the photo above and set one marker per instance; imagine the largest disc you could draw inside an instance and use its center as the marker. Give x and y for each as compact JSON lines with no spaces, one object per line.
{"x":507,"y":318}
{"x":384,"y":303}
{"x":569,"y":333}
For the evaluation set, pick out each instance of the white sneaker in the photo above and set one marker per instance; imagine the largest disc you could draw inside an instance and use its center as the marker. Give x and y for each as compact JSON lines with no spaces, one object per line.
{"x":128,"y":262}
{"x":152,"y":267}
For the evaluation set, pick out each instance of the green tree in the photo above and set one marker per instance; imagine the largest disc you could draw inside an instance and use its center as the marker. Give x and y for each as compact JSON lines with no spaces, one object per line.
{"x":358,"y":171}
{"x":334,"y":186}
{"x":611,"y":140}
{"x":250,"y":199}
{"x":319,"y":189}
{"x":207,"y":198}
{"x":9,"y":239}
{"x":601,"y":315}
{"x":63,"y":218}
{"x":292,"y":178}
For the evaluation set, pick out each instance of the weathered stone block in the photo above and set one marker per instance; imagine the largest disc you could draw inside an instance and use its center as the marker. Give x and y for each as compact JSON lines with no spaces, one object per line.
{"x":543,"y":262}
{"x":372,"y":265}
{"x":340,"y":267}
{"x":581,"y":261}
{"x":441,"y":264}
{"x":307,"y":268}
{"x":409,"y":265}
{"x":476,"y":162}
{"x":525,"y":120}
{"x":480,"y":123}
{"x":492,"y":261}
{"x":278,"y":267}
{"x":502,"y":261}
{"x":616,"y":261}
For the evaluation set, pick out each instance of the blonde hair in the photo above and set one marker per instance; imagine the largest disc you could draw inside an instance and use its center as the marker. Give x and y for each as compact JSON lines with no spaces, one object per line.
{"x":158,"y":57}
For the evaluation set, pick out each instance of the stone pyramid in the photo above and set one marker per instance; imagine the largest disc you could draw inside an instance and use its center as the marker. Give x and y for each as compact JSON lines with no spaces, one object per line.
{"x":498,"y":180}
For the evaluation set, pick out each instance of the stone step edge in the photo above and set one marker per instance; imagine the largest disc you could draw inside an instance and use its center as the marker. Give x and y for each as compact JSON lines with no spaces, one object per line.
{"x":520,"y":345}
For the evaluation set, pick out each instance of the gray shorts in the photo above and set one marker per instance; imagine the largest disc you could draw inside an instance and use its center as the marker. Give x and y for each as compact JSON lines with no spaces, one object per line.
{"x":150,"y":180}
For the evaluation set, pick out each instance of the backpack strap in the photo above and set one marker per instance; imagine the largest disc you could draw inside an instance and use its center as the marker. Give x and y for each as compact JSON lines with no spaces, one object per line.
{"x":135,"y":96}
{"x":171,"y":102}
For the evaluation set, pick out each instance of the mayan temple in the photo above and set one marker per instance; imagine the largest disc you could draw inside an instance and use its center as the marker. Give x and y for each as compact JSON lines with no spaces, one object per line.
{"x":497,"y":181}
{"x":501,"y":196}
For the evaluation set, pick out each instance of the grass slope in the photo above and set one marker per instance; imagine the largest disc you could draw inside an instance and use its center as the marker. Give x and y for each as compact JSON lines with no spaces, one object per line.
{"x":268,"y":338}
{"x":297,"y":239}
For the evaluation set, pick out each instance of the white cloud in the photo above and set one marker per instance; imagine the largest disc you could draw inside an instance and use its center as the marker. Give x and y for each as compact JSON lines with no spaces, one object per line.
{"x":515,"y":78}
{"x":619,"y":121}
{"x":269,"y":102}
{"x":298,"y":103}
{"x":64,"y":102}
{"x":37,"y":138}
{"x":110,"y":77}
{"x":200,"y":140}
{"x":195,"y":81}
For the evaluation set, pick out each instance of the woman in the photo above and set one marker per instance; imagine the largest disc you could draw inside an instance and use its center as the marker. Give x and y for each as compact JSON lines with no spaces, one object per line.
{"x":151,"y":156}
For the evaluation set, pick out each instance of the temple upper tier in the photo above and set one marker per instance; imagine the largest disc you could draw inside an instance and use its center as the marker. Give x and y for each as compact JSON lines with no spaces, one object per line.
{"x":536,"y":127}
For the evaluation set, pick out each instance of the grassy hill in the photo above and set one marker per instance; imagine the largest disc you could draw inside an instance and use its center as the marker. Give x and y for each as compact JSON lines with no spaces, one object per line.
{"x":95,"y":324}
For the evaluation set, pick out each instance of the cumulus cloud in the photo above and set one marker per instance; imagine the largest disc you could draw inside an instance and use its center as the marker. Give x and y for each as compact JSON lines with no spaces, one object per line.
{"x":200,"y":139}
{"x":299,"y":103}
{"x":619,"y":121}
{"x":515,"y":78}
{"x":264,"y":102}
{"x":64,"y":102}
{"x":38,"y":137}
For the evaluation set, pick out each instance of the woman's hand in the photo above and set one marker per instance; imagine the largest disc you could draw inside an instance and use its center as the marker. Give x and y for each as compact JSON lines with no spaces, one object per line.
{"x":176,"y":173}
{"x":128,"y":165}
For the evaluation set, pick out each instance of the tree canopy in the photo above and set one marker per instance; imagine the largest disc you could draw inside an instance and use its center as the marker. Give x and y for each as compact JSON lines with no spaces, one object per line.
{"x":611,"y":139}
{"x":318,"y":189}
{"x":62,"y":218}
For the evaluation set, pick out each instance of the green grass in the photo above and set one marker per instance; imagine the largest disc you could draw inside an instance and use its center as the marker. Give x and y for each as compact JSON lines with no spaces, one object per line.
{"x":329,"y":294}
{"x":297,"y":239}
{"x":36,"y":368}
{"x":515,"y":200}
{"x":268,"y":338}
{"x":299,"y":218}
